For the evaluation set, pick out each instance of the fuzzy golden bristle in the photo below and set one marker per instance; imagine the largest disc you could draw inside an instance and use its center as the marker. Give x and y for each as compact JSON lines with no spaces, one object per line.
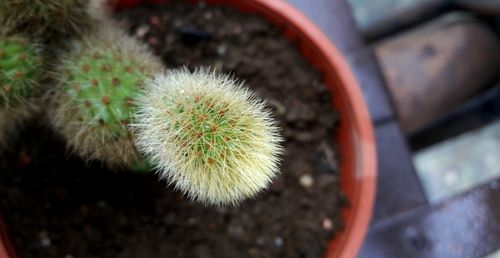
{"x":208,"y":135}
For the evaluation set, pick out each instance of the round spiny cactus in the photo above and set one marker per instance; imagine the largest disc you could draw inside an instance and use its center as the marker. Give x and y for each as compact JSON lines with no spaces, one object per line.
{"x":42,"y":18}
{"x":20,"y":70}
{"x":208,"y":135}
{"x":101,"y":79}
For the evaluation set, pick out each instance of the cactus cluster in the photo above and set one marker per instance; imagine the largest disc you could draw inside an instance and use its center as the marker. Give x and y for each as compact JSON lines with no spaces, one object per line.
{"x":113,"y":101}
{"x":210,"y":136}
{"x":100,"y":79}
{"x":42,"y":18}
{"x":20,"y":64}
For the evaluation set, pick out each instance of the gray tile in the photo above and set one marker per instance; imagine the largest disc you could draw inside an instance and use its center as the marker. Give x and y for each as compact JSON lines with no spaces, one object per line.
{"x":460,"y":163}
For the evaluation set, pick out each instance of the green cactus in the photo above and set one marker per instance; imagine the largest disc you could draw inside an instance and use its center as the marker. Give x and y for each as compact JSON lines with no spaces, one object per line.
{"x":41,"y":18}
{"x":208,"y":135}
{"x":101,"y":79}
{"x":21,"y":69}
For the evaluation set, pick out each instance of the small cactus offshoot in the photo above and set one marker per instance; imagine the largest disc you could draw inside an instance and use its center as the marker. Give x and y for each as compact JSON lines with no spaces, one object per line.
{"x":101,"y":79}
{"x":208,"y":135}
{"x":20,"y":69}
{"x":43,"y":17}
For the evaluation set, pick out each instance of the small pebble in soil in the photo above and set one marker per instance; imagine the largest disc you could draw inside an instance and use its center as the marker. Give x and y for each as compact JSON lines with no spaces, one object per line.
{"x":261,"y":241}
{"x":207,"y":16}
{"x":192,"y":221}
{"x":327,"y":224}
{"x":152,"y":41}
{"x":278,"y":241}
{"x":221,"y":50}
{"x":44,"y":239}
{"x":154,"y":20}
{"x":235,"y":231}
{"x":307,"y":181}
{"x":177,"y":23}
{"x":304,"y":136}
{"x":141,"y":31}
{"x":237,"y":30}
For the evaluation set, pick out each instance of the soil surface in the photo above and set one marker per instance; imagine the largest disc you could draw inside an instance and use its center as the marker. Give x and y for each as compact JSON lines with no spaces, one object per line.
{"x":56,"y":205}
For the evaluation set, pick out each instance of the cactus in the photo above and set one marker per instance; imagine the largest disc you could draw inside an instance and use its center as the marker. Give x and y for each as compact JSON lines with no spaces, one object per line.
{"x":100,"y":81}
{"x":208,"y":135}
{"x":41,"y":18}
{"x":21,"y":69}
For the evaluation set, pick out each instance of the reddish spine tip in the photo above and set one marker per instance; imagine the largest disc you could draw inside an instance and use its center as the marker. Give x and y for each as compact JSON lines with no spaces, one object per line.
{"x":106,"y":67}
{"x":106,"y":100}
{"x":129,"y":101}
{"x":23,"y":57}
{"x":129,"y":69}
{"x":116,"y":82}
{"x":86,"y":68}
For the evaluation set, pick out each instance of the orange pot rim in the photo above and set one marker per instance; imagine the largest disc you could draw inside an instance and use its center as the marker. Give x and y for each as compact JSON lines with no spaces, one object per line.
{"x":330,"y":60}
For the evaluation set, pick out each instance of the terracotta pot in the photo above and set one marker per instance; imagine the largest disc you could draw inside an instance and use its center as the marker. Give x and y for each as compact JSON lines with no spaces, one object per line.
{"x":356,"y":137}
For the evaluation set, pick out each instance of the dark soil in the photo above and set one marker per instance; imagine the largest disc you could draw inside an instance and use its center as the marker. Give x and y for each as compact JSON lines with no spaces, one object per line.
{"x":57,"y":206}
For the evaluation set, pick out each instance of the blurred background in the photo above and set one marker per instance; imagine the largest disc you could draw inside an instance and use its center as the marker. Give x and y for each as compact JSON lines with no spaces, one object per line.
{"x":430,"y":72}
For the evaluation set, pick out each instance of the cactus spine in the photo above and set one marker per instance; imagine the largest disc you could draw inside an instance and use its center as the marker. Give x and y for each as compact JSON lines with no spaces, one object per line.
{"x":208,"y":135}
{"x":100,"y":81}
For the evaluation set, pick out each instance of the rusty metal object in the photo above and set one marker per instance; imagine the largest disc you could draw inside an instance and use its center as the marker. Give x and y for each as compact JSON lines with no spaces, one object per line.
{"x":434,"y":68}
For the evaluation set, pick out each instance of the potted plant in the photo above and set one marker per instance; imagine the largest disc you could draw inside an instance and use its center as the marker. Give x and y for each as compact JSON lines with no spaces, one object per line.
{"x":355,"y":132}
